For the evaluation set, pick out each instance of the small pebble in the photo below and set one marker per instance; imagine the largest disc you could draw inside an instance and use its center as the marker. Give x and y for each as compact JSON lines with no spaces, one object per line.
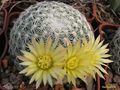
{"x":117,"y":79}
{"x":8,"y":86}
{"x":4,"y":81}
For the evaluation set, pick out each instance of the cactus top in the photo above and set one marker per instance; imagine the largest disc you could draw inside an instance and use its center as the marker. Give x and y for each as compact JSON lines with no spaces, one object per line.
{"x":44,"y":19}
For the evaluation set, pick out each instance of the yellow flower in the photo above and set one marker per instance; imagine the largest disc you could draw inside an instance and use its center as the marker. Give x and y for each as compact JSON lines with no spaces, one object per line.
{"x":86,"y":59}
{"x":43,"y":62}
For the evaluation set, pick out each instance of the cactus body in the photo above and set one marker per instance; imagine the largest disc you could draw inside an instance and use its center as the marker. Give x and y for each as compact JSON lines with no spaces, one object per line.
{"x":44,"y":19}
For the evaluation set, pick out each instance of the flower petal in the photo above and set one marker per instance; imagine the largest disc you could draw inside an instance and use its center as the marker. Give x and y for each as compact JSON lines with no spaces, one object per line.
{"x":38,"y":74}
{"x":31,"y":71}
{"x":26,"y":63}
{"x":23,"y":71}
{"x":53,"y":74}
{"x":99,"y":73}
{"x":106,"y":60}
{"x":29,"y":56}
{"x":50,"y":80}
{"x":32,"y":49}
{"x":39,"y":46}
{"x":102,"y":70}
{"x":96,"y":42}
{"x":23,"y":58}
{"x":105,"y":55}
{"x":32,"y":78}
{"x":45,"y":78}
{"x":38,"y":83}
{"x":48,"y":45}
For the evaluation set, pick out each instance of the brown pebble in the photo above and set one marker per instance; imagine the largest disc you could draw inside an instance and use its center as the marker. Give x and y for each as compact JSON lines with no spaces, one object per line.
{"x":5,"y":62}
{"x":22,"y":86}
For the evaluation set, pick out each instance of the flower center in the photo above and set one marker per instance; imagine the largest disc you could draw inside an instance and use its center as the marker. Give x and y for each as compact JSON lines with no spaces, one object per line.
{"x":44,"y":62}
{"x":72,"y":63}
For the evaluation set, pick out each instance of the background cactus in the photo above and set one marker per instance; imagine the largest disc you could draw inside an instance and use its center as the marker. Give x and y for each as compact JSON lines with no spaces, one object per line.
{"x":44,"y":19}
{"x":115,"y":52}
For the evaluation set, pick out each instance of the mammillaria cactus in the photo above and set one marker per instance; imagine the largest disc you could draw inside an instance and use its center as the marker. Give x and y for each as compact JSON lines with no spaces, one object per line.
{"x":77,"y":60}
{"x":44,"y":19}
{"x":115,"y":52}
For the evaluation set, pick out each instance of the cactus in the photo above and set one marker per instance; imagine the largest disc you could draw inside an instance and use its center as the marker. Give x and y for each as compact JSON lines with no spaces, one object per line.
{"x":44,"y":19}
{"x":115,"y":52}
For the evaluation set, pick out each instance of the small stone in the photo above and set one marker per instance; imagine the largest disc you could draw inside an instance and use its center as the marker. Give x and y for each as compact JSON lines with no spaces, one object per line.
{"x":59,"y":87}
{"x":15,"y":80}
{"x":22,"y":86}
{"x":110,"y":76}
{"x":12,"y":78}
{"x":90,"y":84}
{"x":7,"y":72}
{"x":4,"y":81}
{"x":59,"y":82}
{"x":31,"y":86}
{"x":117,"y":79}
{"x":117,"y":87}
{"x":8,"y":86}
{"x":1,"y":14}
{"x":67,"y":86}
{"x":78,"y":83}
{"x":75,"y":88}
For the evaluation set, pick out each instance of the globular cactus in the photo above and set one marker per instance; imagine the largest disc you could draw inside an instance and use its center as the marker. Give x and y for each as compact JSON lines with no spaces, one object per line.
{"x":115,"y":52}
{"x":44,"y":19}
